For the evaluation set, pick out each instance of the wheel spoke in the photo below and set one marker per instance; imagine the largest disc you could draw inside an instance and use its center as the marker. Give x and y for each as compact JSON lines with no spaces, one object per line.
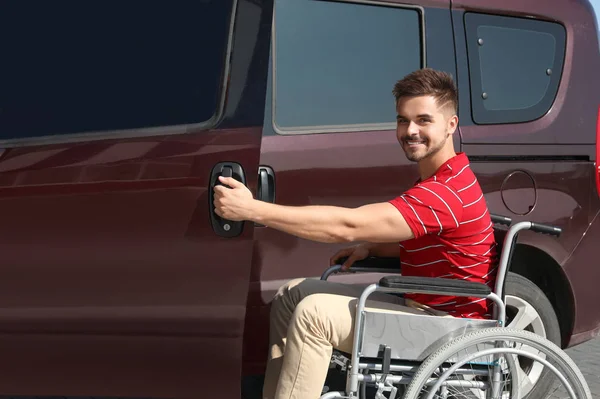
{"x":525,"y":316}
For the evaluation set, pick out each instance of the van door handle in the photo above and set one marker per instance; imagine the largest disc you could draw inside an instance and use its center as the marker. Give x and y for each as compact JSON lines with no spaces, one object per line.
{"x":223,"y":227}
{"x":266,"y":186}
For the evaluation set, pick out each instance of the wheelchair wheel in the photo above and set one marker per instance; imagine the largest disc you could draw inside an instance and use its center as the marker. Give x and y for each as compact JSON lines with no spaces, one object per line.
{"x":483,"y":364}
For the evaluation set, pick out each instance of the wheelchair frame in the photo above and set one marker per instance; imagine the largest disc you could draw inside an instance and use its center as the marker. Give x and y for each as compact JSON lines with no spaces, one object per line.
{"x":397,"y":284}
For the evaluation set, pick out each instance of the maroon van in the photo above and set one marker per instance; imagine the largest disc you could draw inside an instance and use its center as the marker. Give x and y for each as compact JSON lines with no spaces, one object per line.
{"x":118,"y":279}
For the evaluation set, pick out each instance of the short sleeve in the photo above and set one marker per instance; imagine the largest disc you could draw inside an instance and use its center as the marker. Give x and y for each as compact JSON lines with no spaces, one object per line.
{"x":430,"y":208}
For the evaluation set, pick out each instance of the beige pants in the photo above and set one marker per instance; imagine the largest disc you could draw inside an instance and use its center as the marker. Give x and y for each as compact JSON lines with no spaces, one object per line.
{"x":308,"y":319}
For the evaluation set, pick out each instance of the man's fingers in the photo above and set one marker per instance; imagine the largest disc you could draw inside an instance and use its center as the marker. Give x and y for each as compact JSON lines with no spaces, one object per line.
{"x":230,"y":181}
{"x":349,"y":262}
{"x":340,"y":254}
{"x":219,"y":190}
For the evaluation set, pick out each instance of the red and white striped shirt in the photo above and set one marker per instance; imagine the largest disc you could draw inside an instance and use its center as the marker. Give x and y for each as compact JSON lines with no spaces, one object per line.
{"x":454,"y":236}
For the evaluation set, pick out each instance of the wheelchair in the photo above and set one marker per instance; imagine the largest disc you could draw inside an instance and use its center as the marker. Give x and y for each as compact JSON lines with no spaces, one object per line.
{"x":425,"y":356}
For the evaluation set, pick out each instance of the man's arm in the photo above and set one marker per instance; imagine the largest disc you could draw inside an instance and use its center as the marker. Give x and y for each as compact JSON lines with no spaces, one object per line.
{"x":375,"y":223}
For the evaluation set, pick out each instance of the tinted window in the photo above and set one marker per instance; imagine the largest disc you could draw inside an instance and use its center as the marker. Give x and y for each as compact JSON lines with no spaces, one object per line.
{"x":336,"y":63}
{"x":81,"y":66}
{"x":515,"y":67}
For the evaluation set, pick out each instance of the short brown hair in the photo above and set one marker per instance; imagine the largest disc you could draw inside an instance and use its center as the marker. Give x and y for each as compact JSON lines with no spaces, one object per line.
{"x":428,"y":82}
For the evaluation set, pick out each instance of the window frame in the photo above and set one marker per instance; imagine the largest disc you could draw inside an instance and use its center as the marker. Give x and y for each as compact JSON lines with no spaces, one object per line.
{"x":316,"y":129}
{"x":483,"y":116}
{"x":166,"y":130}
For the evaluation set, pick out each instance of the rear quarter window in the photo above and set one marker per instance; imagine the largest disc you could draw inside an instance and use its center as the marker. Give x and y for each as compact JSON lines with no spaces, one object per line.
{"x":515,"y":67}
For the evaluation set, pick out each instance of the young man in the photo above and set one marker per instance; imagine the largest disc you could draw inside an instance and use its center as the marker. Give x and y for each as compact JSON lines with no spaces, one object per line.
{"x":442,"y":224}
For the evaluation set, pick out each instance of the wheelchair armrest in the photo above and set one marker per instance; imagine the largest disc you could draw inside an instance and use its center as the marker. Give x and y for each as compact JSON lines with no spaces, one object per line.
{"x":435,"y":285}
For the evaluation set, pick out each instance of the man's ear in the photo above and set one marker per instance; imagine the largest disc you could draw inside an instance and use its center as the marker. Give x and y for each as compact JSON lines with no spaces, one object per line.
{"x":452,"y":124}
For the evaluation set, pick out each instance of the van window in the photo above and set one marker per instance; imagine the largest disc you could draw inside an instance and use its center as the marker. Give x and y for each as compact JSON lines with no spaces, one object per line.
{"x":73,"y":67}
{"x":335,"y":63}
{"x":515,"y":66}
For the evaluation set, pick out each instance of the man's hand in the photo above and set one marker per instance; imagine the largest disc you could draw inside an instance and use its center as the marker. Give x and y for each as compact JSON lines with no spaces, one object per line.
{"x":355,"y":253}
{"x":235,"y":203}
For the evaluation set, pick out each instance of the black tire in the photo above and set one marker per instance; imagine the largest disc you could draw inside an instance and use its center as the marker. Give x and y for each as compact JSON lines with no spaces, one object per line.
{"x":521,"y":292}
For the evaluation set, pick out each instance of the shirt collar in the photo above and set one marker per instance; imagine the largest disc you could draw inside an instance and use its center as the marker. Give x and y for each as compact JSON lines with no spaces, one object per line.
{"x":450,"y":167}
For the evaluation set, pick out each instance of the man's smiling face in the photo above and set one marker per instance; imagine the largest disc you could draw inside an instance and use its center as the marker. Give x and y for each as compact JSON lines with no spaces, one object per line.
{"x":423,"y":126}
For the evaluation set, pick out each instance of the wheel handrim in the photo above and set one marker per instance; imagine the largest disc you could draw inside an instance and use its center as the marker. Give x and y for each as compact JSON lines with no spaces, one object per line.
{"x":525,"y":317}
